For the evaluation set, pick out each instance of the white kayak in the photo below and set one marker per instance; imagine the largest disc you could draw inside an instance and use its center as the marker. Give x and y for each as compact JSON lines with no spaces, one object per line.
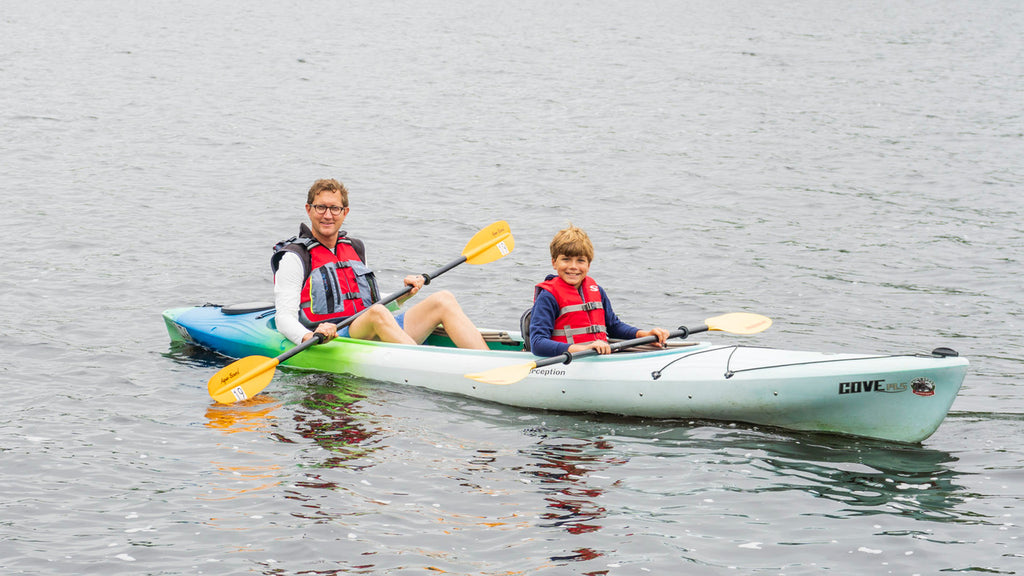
{"x":897,"y":397}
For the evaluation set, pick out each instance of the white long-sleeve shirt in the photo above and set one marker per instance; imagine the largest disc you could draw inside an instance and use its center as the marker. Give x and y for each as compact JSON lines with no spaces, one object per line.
{"x":287,"y":287}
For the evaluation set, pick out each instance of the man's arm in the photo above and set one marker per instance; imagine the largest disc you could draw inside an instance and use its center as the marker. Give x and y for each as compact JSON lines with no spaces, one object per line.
{"x":287,"y":285}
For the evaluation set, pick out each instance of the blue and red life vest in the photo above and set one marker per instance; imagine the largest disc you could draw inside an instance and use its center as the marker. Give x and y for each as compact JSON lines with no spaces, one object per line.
{"x":338,"y":283}
{"x":580,"y":311}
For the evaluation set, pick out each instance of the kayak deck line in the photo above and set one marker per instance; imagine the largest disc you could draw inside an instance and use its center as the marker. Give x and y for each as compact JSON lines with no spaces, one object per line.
{"x":729,"y":372}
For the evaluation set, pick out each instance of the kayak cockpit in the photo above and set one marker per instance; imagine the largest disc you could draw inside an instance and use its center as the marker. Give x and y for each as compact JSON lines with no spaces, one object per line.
{"x":503,"y":340}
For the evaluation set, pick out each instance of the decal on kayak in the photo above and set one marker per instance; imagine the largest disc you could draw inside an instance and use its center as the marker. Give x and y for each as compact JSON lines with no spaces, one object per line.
{"x":184,"y":332}
{"x":919,"y":386}
{"x":922,"y":387}
{"x":859,"y":386}
{"x":547,"y":372}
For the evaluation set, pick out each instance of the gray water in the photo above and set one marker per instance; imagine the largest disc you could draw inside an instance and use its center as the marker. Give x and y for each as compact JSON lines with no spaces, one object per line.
{"x":852,"y":170}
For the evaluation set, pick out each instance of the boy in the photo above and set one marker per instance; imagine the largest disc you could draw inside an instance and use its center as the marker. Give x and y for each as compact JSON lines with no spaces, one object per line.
{"x":571,"y":312}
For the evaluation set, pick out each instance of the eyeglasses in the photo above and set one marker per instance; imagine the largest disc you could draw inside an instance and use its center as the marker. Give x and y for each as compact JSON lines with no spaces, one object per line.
{"x":321,"y":209}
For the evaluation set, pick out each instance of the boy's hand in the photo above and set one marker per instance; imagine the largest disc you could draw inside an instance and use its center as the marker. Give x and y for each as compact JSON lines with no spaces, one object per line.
{"x":602,"y":347}
{"x":661,"y":334}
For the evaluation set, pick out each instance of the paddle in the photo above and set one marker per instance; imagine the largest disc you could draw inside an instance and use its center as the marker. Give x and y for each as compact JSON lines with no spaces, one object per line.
{"x":734,"y":323}
{"x":247,"y":377}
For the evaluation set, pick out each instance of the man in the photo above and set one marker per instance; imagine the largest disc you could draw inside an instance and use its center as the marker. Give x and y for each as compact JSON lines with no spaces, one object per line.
{"x":320,"y":277}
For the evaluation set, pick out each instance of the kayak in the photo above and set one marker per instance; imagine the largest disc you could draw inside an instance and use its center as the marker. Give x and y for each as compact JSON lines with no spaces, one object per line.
{"x":894,"y":397}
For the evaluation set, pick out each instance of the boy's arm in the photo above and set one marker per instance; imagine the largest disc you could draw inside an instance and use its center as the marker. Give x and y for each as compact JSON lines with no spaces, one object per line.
{"x":542,"y":324}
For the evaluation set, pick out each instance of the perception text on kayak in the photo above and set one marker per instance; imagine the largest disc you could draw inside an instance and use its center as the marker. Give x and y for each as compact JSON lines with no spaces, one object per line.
{"x":548,"y":372}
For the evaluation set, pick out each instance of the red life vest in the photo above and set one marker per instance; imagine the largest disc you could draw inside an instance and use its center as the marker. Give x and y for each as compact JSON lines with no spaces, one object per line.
{"x":338,"y":284}
{"x":332,"y":290}
{"x":581,"y":313}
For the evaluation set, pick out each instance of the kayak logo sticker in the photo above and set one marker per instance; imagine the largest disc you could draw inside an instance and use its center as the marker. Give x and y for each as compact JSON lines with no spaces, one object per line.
{"x":184,"y":332}
{"x":548,"y":372}
{"x":871,"y":386}
{"x":922,"y":387}
{"x":919,"y":386}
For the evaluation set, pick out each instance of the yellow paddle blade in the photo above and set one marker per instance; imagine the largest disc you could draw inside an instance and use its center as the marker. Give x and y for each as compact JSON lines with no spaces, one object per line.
{"x":490,"y":244}
{"x":739,"y":323}
{"x":242,"y":379}
{"x":503,"y":375}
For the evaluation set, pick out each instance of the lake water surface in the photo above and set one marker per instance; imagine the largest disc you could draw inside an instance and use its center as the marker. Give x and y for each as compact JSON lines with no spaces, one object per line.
{"x":852,"y":170}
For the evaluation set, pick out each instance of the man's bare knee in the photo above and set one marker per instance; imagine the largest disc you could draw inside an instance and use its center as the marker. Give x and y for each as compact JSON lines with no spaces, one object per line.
{"x":377,"y":313}
{"x":445,"y":300}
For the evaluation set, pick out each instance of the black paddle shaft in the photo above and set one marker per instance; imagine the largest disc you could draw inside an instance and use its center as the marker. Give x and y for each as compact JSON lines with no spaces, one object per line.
{"x":568,"y":357}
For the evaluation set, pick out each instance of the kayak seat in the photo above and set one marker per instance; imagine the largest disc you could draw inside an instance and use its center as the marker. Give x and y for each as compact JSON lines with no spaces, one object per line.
{"x":524,"y":328}
{"x":500,"y":339}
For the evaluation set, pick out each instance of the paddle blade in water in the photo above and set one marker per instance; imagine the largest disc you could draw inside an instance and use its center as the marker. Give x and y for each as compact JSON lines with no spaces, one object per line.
{"x":503,"y":375}
{"x":242,"y":379}
{"x":490,"y":244}
{"x":739,"y":323}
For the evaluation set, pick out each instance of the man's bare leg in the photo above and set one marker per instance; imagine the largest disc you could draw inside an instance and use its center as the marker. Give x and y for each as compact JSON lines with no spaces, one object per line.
{"x":378,"y":323}
{"x":443,"y":308}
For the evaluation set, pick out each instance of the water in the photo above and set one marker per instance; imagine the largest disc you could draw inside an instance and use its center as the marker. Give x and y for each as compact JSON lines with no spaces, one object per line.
{"x":851,"y":170}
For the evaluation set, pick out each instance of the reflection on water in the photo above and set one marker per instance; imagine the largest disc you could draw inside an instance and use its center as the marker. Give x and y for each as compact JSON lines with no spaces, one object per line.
{"x":326,"y":416}
{"x":563,"y":465}
{"x":233,"y":478}
{"x":196,"y":356}
{"x":324,"y":413}
{"x":869,"y":477}
{"x":252,"y":415}
{"x":594,"y":476}
{"x":236,"y":480}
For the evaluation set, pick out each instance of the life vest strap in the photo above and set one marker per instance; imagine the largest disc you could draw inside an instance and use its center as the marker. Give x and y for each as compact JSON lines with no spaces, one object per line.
{"x":585,"y":307}
{"x":570,"y":332}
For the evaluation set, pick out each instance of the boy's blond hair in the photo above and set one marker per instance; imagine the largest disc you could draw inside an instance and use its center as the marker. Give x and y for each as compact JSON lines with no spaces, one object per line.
{"x":572,"y":241}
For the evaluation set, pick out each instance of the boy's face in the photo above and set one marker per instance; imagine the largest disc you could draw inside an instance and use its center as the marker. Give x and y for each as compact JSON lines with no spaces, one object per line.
{"x":571,"y":269}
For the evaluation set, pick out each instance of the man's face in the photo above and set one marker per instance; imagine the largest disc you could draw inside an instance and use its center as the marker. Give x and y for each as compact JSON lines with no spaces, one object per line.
{"x":326,"y":224}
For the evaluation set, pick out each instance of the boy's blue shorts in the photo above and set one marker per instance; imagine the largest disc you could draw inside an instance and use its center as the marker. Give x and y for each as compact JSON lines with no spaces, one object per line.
{"x":399,"y":317}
